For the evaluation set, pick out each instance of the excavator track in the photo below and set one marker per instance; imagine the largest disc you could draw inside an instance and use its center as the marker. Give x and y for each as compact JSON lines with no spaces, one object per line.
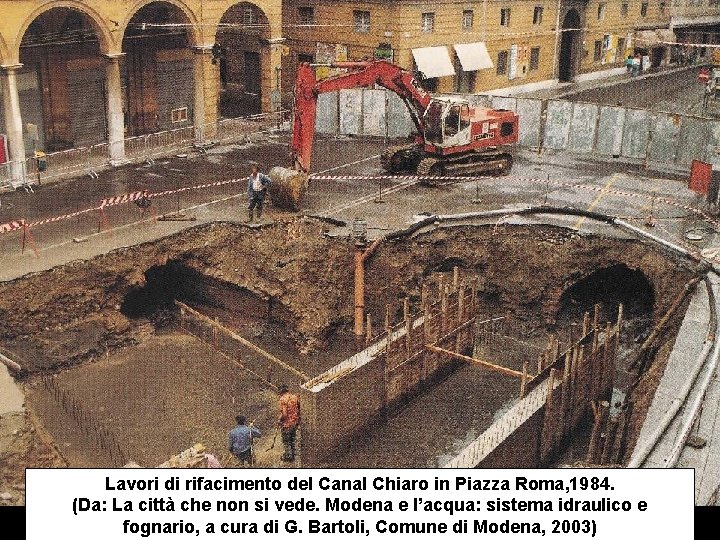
{"x":430,"y":166}
{"x":401,"y":157}
{"x":497,"y":163}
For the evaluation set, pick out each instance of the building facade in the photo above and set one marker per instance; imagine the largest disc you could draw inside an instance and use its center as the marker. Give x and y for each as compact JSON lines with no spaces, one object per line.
{"x":526,"y":41}
{"x":80,"y":72}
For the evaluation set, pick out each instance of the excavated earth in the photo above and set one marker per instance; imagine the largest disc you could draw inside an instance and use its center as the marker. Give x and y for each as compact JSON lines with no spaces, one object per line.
{"x":107,"y":328}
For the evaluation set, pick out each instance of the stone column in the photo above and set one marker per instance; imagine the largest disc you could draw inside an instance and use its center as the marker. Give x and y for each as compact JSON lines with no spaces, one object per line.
{"x":270,"y":67}
{"x":13,"y":121}
{"x":115,"y":118}
{"x":207,"y":80}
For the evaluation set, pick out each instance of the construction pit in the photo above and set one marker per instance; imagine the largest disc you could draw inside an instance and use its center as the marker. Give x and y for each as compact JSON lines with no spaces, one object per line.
{"x":140,"y":353}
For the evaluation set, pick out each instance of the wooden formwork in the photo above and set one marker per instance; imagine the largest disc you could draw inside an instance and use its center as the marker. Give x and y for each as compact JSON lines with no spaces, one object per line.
{"x":579,"y":376}
{"x":446,"y":323}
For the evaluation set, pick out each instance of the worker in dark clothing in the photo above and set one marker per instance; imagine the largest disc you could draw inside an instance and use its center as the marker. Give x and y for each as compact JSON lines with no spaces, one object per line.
{"x":289,"y":421}
{"x":241,"y":437}
{"x":256,"y":189}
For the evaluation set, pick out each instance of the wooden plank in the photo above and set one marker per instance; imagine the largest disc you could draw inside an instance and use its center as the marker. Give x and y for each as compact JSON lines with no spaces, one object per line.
{"x":489,"y":365}
{"x":248,"y":344}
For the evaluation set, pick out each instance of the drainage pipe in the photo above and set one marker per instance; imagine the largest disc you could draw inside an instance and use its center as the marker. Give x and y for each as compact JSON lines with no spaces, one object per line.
{"x":14,"y":366}
{"x":361,"y":255}
{"x":697,"y":403}
{"x":710,"y":345}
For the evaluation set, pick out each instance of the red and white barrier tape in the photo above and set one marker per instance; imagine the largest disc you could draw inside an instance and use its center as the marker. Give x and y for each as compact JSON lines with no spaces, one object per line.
{"x":403,"y":180}
{"x":543,"y":181}
{"x":12,"y":225}
{"x":121,"y":199}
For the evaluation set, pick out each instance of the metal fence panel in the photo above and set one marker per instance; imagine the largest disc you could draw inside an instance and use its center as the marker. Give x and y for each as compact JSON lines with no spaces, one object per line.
{"x":582,"y":128}
{"x":374,"y":115}
{"x":326,"y":119}
{"x":610,"y":131}
{"x":350,"y":104}
{"x":557,"y":124}
{"x":399,"y":121}
{"x":635,"y":133}
{"x":664,"y":140}
{"x":504,"y":102}
{"x":712,"y":149}
{"x":693,"y":141}
{"x":530,"y":115}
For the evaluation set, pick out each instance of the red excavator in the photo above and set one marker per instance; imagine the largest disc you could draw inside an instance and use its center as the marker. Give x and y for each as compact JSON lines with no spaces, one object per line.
{"x":453,"y":137}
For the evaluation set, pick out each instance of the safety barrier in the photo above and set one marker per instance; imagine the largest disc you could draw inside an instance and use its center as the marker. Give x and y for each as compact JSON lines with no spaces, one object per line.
{"x":370,"y":192}
{"x":156,"y":144}
{"x":93,"y":158}
{"x":233,"y":129}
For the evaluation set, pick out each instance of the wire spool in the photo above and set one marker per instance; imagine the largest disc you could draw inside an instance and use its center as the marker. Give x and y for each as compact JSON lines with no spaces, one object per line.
{"x":287,"y":188}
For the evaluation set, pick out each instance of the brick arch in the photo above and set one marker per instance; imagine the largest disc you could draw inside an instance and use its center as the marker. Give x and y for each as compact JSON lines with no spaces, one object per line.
{"x":192,"y":19}
{"x":99,"y":24}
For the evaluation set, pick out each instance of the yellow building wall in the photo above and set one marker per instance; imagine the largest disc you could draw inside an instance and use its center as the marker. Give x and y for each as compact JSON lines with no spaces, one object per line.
{"x":110,"y":20}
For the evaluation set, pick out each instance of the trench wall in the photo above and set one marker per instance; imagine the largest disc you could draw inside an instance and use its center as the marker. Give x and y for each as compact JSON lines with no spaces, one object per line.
{"x":663,"y":141}
{"x":353,"y":394}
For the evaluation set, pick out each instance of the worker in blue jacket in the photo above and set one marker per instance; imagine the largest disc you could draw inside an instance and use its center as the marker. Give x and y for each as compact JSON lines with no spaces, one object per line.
{"x":240,"y":440}
{"x":257,"y":189}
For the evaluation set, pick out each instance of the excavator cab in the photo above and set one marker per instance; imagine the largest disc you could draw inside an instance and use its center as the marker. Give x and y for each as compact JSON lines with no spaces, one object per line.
{"x":447,"y":123}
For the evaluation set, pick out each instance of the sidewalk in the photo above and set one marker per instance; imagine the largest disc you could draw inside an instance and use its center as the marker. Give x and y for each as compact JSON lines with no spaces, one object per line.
{"x":565,"y":90}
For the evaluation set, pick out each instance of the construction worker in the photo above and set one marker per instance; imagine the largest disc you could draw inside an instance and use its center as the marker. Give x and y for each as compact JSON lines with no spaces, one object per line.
{"x":256,"y":189}
{"x":240,"y":440}
{"x":289,"y":421}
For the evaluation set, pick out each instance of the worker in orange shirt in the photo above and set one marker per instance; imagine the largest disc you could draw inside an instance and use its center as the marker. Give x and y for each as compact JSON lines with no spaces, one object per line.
{"x":289,"y":421}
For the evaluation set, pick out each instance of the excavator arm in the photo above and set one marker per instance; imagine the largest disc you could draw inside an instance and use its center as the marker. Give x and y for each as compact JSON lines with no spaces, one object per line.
{"x":361,"y":75}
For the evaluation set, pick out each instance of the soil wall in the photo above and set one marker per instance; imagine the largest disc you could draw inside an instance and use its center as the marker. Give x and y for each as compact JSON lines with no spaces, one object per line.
{"x":76,"y":311}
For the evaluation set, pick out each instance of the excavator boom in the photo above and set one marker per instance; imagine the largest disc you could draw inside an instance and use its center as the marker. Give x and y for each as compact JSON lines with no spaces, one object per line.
{"x":360,"y":75}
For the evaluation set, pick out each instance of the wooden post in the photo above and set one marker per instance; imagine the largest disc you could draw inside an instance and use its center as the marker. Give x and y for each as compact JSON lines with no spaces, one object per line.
{"x":627,"y":414}
{"x":443,"y":310}
{"x":408,"y":346}
{"x":565,"y":400}
{"x":406,"y":309}
{"x":550,"y":418}
{"x":215,"y":332}
{"x":609,"y":440}
{"x":614,"y":456}
{"x":456,"y":275}
{"x":586,"y":324}
{"x":368,"y":329}
{"x":600,"y":413}
{"x":524,"y":379}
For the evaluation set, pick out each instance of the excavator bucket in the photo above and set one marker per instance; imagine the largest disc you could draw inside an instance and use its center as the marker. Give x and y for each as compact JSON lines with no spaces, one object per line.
{"x":287,"y":188}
